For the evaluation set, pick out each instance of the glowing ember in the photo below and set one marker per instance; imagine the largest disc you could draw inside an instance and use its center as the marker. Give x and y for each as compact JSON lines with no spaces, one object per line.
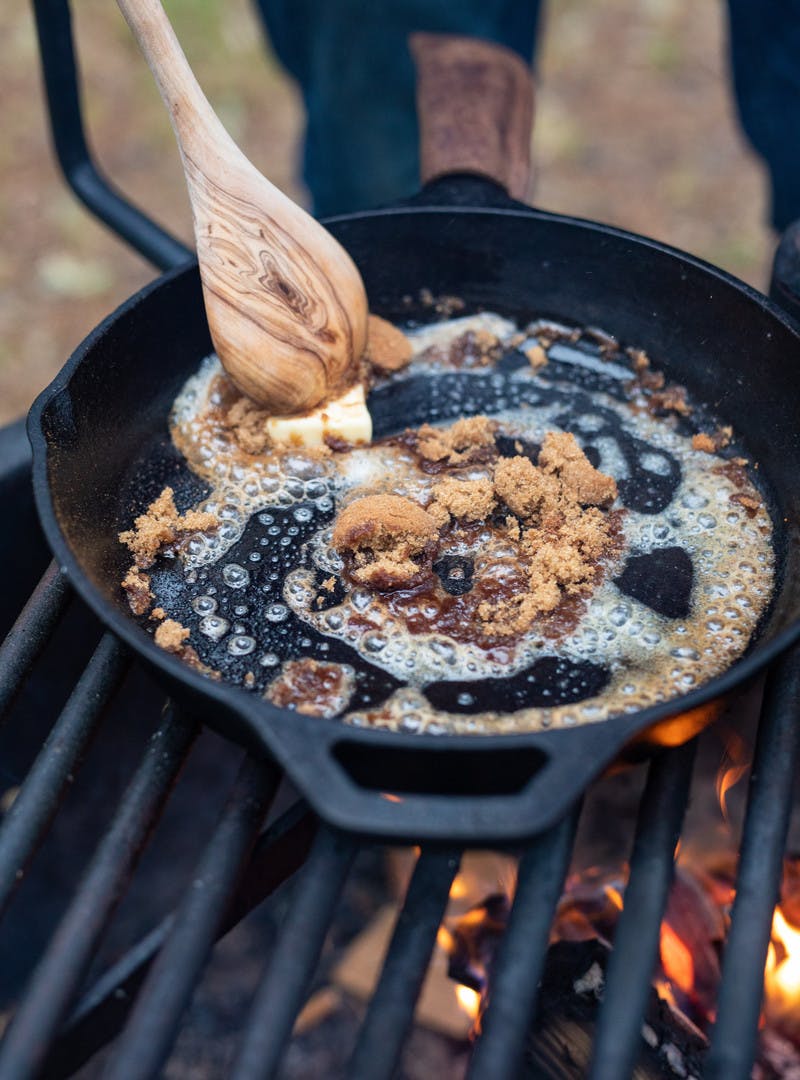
{"x":676,"y":959}
{"x":469,"y":1000}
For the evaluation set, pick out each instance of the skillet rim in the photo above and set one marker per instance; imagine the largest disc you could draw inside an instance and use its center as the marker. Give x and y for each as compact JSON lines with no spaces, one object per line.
{"x":259,"y":715}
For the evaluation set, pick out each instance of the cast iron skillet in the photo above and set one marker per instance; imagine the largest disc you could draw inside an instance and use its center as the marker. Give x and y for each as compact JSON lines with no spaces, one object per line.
{"x":102,"y":423}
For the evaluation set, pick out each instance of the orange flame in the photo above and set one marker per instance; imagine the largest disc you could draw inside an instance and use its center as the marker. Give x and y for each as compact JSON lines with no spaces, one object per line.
{"x":676,"y":959}
{"x":735,"y":763}
{"x":782,"y":973}
{"x":469,"y":1001}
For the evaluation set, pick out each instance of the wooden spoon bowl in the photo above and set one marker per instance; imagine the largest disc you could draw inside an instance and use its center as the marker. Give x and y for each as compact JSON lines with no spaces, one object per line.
{"x":286,"y":305}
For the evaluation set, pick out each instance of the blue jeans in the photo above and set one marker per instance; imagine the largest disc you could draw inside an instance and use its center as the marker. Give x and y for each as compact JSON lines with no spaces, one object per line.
{"x":351,"y":60}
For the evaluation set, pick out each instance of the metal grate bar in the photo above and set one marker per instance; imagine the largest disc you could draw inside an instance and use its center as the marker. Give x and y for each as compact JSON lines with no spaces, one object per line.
{"x":630,"y":969}
{"x":58,"y":975}
{"x":291,"y":967}
{"x":30,"y":633}
{"x":42,"y":791}
{"x":100,"y":1014}
{"x":734,"y":1039}
{"x":391,"y":1010}
{"x":514,"y":983}
{"x":148,"y":1037}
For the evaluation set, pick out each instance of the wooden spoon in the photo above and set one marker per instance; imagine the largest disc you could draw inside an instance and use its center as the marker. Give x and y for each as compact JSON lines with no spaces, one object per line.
{"x":285,"y":303}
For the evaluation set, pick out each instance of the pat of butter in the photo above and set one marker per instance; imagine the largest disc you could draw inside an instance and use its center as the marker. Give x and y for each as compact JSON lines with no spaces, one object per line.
{"x":347,"y":418}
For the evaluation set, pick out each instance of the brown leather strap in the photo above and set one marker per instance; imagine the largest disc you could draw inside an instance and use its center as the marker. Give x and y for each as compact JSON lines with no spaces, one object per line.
{"x":475,"y":106}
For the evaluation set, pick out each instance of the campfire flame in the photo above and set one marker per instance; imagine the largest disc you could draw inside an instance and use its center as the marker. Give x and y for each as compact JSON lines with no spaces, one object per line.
{"x":692,"y":933}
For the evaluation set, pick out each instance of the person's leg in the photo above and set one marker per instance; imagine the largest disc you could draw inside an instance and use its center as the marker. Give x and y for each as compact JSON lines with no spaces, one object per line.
{"x":765,"y":60}
{"x":352,"y":61}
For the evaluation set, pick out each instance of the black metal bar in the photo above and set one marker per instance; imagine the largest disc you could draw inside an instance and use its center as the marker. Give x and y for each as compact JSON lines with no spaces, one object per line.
{"x":56,"y":763}
{"x":784,"y":287}
{"x":636,"y":939}
{"x":59,"y":67}
{"x":391,"y":1010}
{"x":31,"y":632}
{"x":64,"y":964}
{"x":291,"y":967}
{"x":735,"y":1034}
{"x":145,"y":1043}
{"x":101,"y":1012}
{"x":514,"y":984}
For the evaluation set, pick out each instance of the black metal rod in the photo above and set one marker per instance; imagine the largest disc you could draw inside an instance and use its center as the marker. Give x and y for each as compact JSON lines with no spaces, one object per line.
{"x":391,"y":1010}
{"x":636,"y":940}
{"x":514,"y":984}
{"x":57,"y":762}
{"x":735,"y":1034}
{"x":101,"y":1012}
{"x":291,"y":967}
{"x":61,"y":969}
{"x":146,"y":1041}
{"x":59,"y":67}
{"x":31,"y":632}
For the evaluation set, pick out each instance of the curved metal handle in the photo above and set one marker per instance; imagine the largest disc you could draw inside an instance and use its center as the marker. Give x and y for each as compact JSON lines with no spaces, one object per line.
{"x":59,"y":67}
{"x":398,"y":793}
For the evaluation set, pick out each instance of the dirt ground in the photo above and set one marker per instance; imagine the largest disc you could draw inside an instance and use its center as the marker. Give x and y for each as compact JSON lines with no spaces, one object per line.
{"x":635,"y":126}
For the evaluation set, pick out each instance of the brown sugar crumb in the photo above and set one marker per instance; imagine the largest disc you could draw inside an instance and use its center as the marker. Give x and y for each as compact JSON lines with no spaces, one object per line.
{"x":640,"y":361}
{"x":476,"y":348}
{"x":170,"y":636}
{"x":749,"y":503}
{"x":247,"y":423}
{"x":249,"y":680}
{"x":560,"y":455}
{"x":710,"y":444}
{"x":388,"y":349}
{"x":444,"y":305}
{"x":161,"y":526}
{"x":468,"y":500}
{"x":389,"y":538}
{"x":137,"y":586}
{"x":671,"y":399}
{"x":464,"y":441}
{"x":158,"y":613}
{"x":329,"y":584}
{"x":311,"y":687}
{"x":537,"y":357}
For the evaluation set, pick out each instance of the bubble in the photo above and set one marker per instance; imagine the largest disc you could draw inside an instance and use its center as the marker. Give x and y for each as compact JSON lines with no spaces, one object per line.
{"x":276,"y":613}
{"x":241,"y":645}
{"x":235,"y":576}
{"x":214,"y":627}
{"x":269,"y":659}
{"x":204,"y":605}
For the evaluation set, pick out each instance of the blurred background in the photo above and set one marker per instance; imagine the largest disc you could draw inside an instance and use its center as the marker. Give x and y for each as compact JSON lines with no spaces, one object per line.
{"x":635,"y":126}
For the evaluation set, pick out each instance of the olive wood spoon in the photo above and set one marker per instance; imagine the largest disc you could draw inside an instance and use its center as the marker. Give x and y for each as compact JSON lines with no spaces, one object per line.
{"x":286,"y":305}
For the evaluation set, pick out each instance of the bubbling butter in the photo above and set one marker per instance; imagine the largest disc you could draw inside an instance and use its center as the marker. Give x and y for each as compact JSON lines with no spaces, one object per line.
{"x":644,"y":654}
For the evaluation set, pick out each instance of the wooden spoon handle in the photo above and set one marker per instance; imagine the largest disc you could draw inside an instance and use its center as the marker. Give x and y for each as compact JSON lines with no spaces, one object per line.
{"x":475,"y":106}
{"x":195,"y":123}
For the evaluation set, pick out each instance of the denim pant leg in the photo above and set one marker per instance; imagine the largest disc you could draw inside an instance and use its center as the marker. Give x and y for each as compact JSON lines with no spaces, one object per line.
{"x":765,"y":58}
{"x":352,"y":62}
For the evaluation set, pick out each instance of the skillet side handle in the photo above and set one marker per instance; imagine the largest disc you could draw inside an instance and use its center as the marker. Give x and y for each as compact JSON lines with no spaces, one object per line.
{"x":475,"y":107}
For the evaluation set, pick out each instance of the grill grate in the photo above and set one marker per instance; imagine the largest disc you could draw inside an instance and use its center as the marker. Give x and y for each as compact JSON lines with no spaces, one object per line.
{"x":60,"y":1024}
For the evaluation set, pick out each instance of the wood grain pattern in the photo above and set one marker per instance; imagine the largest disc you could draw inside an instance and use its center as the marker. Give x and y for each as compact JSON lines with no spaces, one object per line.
{"x":285,"y":303}
{"x":475,"y":106}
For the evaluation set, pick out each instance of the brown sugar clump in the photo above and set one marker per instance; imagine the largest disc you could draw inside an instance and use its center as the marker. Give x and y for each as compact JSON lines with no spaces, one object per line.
{"x":161,"y":526}
{"x":158,"y":613}
{"x":389,"y":538}
{"x":640,"y":361}
{"x":170,"y":635}
{"x":560,"y":455}
{"x":312,"y":687}
{"x":464,"y":441}
{"x":749,"y":503}
{"x":248,"y":425}
{"x":467,"y":500}
{"x":671,"y":399}
{"x":525,"y":489}
{"x":537,"y":357}
{"x":388,"y":349}
{"x":710,"y":444}
{"x":137,"y":586}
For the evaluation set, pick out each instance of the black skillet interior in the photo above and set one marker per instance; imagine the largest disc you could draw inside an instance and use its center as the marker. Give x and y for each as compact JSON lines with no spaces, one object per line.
{"x":102,"y":452}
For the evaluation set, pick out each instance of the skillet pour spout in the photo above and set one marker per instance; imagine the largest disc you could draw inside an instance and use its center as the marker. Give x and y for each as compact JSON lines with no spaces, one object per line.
{"x":102,"y":453}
